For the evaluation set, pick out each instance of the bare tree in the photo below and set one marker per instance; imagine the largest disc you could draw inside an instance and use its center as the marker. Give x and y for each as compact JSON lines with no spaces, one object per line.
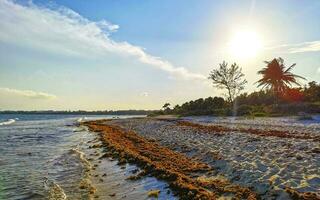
{"x":166,"y":106}
{"x":229,"y":78}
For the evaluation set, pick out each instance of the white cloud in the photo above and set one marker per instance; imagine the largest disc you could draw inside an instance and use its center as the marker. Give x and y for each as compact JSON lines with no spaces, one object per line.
{"x":305,"y":47}
{"x":64,"y":31}
{"x":144,"y":94}
{"x":105,"y":25}
{"x":318,"y":70}
{"x":27,"y":93}
{"x":298,"y":47}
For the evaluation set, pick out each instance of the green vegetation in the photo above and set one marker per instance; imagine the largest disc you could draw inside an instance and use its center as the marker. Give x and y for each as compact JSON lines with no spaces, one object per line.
{"x":258,"y":104}
{"x":276,"y":98}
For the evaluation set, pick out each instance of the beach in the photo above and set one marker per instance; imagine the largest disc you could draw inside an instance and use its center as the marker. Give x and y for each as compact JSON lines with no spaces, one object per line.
{"x":137,"y":157}
{"x":262,"y":158}
{"x":146,"y":100}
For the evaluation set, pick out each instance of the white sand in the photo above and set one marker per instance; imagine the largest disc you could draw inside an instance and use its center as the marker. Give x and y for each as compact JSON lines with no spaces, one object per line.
{"x":268,"y":164}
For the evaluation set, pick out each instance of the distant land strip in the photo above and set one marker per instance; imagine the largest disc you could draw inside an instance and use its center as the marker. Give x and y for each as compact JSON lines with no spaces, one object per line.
{"x":82,"y":112}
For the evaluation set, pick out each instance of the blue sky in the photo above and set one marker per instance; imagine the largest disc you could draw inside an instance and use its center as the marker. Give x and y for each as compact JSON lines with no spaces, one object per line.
{"x":140,"y":54}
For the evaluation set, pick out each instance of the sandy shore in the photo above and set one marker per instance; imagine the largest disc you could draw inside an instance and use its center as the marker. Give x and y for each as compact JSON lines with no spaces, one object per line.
{"x":271,"y":159}
{"x":105,"y":177}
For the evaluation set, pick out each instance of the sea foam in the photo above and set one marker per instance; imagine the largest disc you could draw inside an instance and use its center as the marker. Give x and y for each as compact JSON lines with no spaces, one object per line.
{"x":81,"y":119}
{"x":8,"y":122}
{"x":55,"y":191}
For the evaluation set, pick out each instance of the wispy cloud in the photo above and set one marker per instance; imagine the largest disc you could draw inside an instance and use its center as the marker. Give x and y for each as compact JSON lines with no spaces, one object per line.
{"x":27,"y":93}
{"x":312,"y":46}
{"x":63,"y":31}
{"x":306,"y":47}
{"x":144,"y":94}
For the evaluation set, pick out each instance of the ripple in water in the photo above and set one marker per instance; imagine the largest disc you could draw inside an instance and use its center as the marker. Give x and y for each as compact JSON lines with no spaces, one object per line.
{"x":41,"y":158}
{"x":46,"y":157}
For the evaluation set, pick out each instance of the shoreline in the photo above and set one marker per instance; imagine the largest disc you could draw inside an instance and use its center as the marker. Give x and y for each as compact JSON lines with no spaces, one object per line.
{"x":107,"y":178}
{"x":188,"y":178}
{"x":150,"y":135}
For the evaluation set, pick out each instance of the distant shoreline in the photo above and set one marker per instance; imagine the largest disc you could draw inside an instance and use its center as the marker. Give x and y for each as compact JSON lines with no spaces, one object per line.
{"x":119,"y":112}
{"x":146,"y":113}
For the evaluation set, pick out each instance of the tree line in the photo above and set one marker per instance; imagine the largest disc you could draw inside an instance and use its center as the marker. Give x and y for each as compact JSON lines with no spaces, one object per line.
{"x":281,"y":93}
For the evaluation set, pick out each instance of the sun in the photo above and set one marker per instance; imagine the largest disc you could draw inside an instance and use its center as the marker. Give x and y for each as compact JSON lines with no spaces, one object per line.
{"x":245,"y":44}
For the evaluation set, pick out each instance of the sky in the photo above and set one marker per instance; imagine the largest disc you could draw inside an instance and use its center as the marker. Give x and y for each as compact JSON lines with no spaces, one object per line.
{"x":107,"y":54}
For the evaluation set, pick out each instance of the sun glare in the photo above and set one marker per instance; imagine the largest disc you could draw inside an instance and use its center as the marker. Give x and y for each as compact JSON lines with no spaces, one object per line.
{"x":245,"y":44}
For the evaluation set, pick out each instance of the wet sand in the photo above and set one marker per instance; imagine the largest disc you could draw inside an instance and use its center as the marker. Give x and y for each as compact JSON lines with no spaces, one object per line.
{"x":266,"y":160}
{"x":189,"y":179}
{"x":107,"y":178}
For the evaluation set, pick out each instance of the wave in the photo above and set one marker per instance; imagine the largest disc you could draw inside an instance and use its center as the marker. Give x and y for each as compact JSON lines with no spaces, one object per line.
{"x":85,"y":181}
{"x":81,"y":119}
{"x":81,"y":129}
{"x":10,"y":121}
{"x":54,"y":190}
{"x":81,"y":155}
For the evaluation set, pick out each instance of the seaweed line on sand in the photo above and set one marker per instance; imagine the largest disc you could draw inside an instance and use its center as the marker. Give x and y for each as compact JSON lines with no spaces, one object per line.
{"x":217,"y":129}
{"x":181,"y":172}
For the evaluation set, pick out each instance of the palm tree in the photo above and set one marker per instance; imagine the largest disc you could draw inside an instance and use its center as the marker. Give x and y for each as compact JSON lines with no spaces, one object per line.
{"x":277,"y":77}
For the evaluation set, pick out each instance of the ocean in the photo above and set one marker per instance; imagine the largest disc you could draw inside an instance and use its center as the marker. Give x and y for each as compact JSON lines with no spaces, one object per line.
{"x":46,"y":157}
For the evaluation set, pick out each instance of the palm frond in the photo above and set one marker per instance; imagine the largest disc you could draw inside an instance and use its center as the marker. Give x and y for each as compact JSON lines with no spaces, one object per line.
{"x":289,"y":68}
{"x":277,"y":77}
